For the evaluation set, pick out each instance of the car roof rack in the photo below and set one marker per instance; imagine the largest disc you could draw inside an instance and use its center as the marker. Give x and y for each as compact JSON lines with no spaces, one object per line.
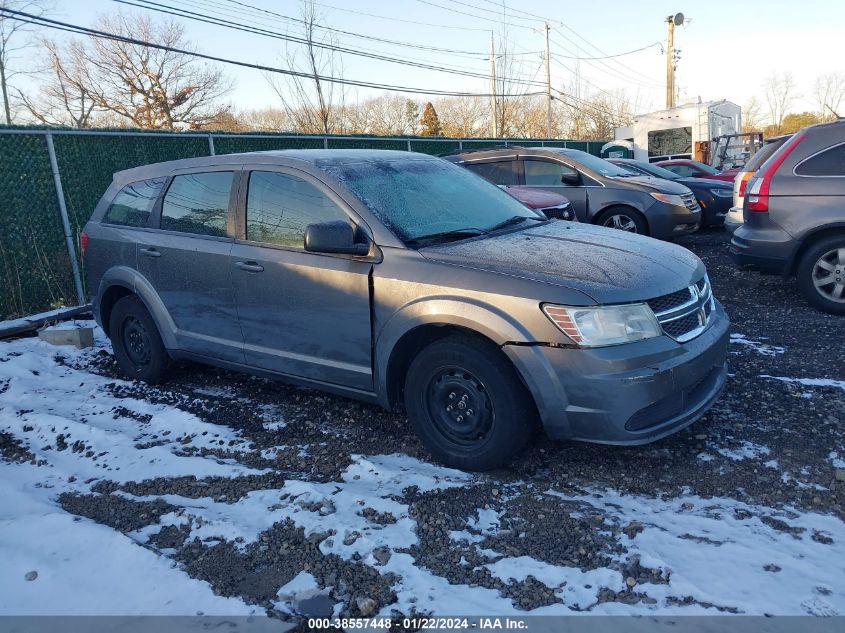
{"x":488,"y":148}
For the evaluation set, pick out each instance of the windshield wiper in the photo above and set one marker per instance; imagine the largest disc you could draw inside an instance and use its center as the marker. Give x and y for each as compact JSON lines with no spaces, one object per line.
{"x":516,"y":219}
{"x":446,"y":235}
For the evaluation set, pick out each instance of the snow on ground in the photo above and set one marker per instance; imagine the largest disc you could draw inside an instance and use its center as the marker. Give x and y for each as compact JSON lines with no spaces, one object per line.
{"x":712,"y":554}
{"x":758,"y":346}
{"x":809,"y":382}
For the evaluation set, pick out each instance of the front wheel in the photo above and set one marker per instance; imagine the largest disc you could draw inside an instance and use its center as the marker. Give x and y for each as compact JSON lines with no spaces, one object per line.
{"x":466,"y":403}
{"x":624,"y":220}
{"x":821,"y":274}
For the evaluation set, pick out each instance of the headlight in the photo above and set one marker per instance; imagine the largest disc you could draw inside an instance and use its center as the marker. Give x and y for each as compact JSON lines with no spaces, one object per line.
{"x":669,"y":198}
{"x":608,"y":325}
{"x":722,"y":193}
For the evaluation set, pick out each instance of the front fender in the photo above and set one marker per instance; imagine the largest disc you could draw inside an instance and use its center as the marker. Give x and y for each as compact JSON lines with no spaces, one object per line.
{"x":492,"y":322}
{"x":131,"y":279}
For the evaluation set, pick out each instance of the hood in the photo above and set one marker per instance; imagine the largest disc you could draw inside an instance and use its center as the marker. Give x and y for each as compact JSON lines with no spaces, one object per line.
{"x":610,"y":266}
{"x":706,"y":183}
{"x":536,"y":198}
{"x":650,"y":183}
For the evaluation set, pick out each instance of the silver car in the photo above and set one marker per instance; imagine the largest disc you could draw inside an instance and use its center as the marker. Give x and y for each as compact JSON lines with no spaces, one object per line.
{"x":404,"y":280}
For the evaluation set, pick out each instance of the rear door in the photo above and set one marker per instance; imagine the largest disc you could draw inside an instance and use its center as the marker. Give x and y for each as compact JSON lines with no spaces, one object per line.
{"x":186,"y":259}
{"x":302,"y":314}
{"x":547,"y":174}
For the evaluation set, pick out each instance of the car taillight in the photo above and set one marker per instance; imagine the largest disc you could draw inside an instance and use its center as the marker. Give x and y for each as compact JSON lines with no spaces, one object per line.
{"x":83,"y":242}
{"x":758,"y":193}
{"x":743,"y":183}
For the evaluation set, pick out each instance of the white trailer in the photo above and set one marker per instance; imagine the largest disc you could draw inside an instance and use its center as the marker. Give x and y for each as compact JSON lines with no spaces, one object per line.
{"x":686,"y":131}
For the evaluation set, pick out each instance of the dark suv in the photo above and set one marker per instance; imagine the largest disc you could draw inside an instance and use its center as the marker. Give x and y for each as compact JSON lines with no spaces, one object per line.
{"x":794,"y":215}
{"x":600,"y":192}
{"x":403,"y":280}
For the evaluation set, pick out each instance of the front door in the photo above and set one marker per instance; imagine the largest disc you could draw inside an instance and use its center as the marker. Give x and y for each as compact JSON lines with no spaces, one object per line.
{"x":547,"y":174}
{"x":302,"y":314}
{"x":186,"y":259}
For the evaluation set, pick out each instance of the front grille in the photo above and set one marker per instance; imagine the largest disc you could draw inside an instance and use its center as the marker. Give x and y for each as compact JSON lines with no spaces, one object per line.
{"x":684,"y":314}
{"x":690,"y":202}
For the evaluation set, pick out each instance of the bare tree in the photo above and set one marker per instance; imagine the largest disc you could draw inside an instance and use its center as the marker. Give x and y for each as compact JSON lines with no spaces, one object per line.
{"x":149,"y":87}
{"x":463,"y":117}
{"x":780,"y":95}
{"x":266,"y":120}
{"x":829,"y":91}
{"x":752,"y":116}
{"x":66,"y":96}
{"x":15,"y":36}
{"x":310,"y":101}
{"x":509,"y":89}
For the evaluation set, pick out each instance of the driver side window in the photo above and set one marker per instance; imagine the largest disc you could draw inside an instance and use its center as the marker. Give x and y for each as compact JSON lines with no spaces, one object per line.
{"x":543,"y":173}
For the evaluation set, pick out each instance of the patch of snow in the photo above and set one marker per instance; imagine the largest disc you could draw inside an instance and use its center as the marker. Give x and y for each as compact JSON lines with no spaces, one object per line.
{"x":746,"y":450}
{"x":835,"y":460}
{"x":761,"y":348}
{"x":809,"y":382}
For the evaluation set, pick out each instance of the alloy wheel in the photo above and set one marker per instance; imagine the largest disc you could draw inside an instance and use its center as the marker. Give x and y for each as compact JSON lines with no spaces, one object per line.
{"x":829,"y":275}
{"x":621,"y":222}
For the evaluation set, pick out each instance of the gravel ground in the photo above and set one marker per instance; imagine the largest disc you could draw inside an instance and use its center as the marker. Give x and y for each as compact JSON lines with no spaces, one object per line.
{"x":766,"y":443}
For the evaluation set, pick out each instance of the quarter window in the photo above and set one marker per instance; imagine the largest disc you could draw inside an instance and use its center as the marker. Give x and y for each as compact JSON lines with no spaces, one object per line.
{"x":198,"y":203}
{"x":546,"y":173}
{"x":280,"y":206}
{"x":132,"y":204}
{"x":830,"y":162}
{"x":499,"y":173}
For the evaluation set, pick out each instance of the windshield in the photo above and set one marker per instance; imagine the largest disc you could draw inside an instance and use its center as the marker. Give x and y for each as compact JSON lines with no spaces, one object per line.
{"x":420,"y":198}
{"x":594,"y":163}
{"x":705,"y":168}
{"x":657,"y":171}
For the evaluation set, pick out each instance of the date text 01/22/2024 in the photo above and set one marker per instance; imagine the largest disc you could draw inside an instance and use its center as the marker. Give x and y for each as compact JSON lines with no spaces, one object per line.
{"x":417,"y":623}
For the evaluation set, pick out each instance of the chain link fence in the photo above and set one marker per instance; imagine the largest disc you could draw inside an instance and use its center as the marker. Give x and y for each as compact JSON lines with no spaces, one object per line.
{"x":36,"y":265}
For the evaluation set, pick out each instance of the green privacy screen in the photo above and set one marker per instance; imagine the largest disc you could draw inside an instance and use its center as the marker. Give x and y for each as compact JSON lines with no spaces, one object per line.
{"x":35,"y":268}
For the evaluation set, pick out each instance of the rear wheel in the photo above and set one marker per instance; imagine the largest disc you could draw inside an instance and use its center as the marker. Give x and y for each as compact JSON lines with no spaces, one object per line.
{"x":821,"y":274}
{"x":136,"y":342}
{"x":467,"y":405}
{"x":623,"y":219}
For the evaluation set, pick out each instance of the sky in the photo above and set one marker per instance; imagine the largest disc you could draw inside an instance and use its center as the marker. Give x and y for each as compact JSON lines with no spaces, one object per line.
{"x":727,"y":48}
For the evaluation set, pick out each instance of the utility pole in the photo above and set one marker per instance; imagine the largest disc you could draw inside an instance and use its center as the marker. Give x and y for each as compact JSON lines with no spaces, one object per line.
{"x":548,"y":87}
{"x":493,"y":87}
{"x":670,"y":64}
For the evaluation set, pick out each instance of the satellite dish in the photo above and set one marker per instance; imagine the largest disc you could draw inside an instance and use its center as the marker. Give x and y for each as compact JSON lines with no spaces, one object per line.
{"x":679,"y":19}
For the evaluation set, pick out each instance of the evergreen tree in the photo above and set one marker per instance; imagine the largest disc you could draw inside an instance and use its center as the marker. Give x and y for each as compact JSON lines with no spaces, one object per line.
{"x":430,"y":123}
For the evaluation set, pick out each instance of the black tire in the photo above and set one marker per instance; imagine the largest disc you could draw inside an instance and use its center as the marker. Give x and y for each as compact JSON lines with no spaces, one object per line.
{"x":137,"y":344}
{"x":477,"y":380}
{"x":623,"y":218}
{"x":824,"y":260}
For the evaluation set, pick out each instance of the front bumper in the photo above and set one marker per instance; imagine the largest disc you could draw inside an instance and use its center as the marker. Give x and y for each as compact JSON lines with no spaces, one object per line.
{"x":733,"y":220}
{"x":668,"y":220}
{"x":626,"y":394}
{"x":714,"y":209}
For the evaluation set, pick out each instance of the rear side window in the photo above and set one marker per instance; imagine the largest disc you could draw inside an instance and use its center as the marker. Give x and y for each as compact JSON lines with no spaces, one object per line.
{"x":198,"y":203}
{"x":545,"y":173}
{"x":499,"y":172}
{"x":280,"y":206}
{"x":763,"y":154}
{"x":830,"y":162}
{"x":681,"y":170}
{"x":132,"y":204}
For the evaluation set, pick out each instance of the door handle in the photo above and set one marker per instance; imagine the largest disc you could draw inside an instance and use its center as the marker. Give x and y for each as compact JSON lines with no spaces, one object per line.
{"x":250,"y":267}
{"x":150,"y":252}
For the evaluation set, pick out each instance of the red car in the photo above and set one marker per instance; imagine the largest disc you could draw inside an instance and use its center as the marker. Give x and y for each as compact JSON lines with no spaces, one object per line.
{"x":695,"y":169}
{"x":552,"y":204}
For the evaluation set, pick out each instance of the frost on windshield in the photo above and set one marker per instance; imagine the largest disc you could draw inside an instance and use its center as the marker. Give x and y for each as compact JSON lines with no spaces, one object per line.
{"x":415,"y":197}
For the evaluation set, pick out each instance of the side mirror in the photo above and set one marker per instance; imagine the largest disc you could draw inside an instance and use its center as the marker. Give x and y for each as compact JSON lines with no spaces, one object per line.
{"x":333,"y":237}
{"x":571,"y":179}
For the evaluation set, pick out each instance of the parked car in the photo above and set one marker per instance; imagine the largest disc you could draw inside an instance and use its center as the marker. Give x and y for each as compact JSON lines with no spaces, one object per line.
{"x":714,"y":196}
{"x":695,"y":169}
{"x":403,"y":280}
{"x":601,"y":192}
{"x":794,"y":212}
{"x":733,"y":220}
{"x":553,"y":205}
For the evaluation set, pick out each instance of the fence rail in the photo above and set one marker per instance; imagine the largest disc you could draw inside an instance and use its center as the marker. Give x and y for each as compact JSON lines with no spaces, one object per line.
{"x":52,"y":178}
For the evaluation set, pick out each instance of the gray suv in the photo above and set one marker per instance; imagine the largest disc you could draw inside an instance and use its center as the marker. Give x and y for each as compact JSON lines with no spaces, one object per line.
{"x":794,"y":215}
{"x":601,"y":192}
{"x":403,"y":280}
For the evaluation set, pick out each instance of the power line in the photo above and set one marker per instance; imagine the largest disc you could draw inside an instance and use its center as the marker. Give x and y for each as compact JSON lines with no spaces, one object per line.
{"x":602,"y":66}
{"x":636,"y":50}
{"x":472,"y":15}
{"x":30,"y":18}
{"x":392,"y":19}
{"x":199,"y":17}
